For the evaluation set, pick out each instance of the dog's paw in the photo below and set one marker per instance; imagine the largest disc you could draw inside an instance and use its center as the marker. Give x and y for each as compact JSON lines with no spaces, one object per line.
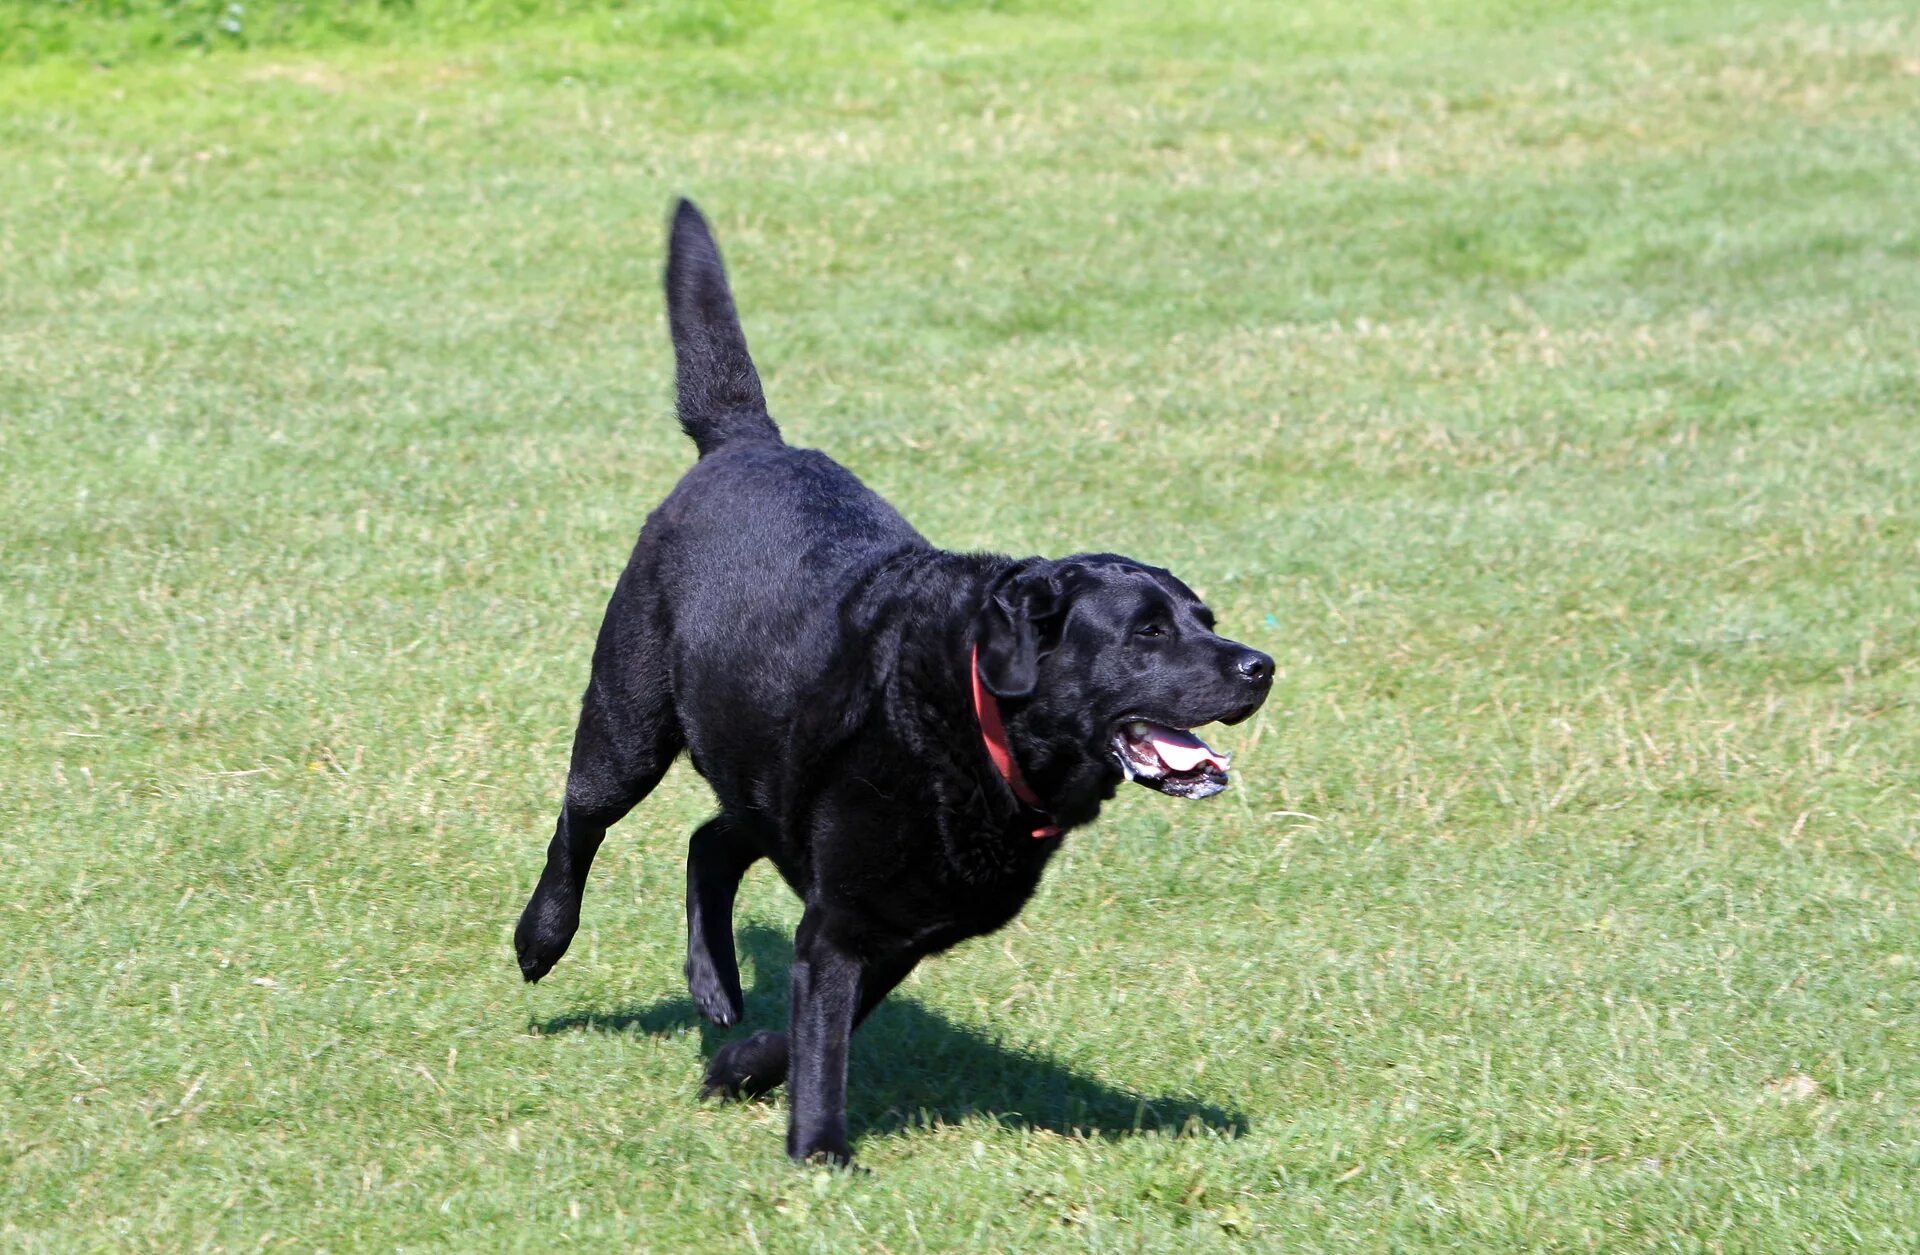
{"x":747,"y":1068}
{"x":718,"y":999}
{"x":542,"y":936}
{"x":821,"y":1148}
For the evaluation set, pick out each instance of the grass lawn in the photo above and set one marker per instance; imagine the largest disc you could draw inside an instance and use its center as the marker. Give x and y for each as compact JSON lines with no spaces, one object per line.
{"x":1538,"y":382}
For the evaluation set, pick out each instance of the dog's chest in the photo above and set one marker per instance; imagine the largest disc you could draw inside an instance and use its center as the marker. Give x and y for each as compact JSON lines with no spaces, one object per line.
{"x":990,"y":875}
{"x":943,"y":888}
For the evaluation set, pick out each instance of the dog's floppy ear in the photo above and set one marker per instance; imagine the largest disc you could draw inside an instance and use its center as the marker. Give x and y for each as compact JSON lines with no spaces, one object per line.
{"x":1018,"y":626}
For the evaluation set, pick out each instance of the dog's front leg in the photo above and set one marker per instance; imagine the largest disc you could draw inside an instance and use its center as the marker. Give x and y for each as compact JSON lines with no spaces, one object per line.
{"x":717,"y":857}
{"x":753,"y":1065}
{"x":826,"y":1001}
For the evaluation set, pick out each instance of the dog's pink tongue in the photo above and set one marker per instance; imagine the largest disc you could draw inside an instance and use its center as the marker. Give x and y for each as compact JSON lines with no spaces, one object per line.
{"x":1183,"y":751}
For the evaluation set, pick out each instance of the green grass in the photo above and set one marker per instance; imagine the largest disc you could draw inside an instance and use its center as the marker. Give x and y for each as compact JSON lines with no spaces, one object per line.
{"x":1540,"y":383}
{"x":112,"y":32}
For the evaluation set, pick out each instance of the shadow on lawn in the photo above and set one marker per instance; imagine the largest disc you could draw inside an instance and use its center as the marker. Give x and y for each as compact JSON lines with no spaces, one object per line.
{"x":914,"y":1067}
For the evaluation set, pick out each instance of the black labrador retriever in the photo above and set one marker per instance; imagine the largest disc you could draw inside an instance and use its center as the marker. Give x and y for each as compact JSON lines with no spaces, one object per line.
{"x":906,"y":733}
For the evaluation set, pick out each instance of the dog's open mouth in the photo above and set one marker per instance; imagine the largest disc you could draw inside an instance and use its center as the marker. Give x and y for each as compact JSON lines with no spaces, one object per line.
{"x":1171,"y":760}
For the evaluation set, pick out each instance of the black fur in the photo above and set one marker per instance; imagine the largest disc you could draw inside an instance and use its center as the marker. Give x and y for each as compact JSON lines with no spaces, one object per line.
{"x":810,"y":651}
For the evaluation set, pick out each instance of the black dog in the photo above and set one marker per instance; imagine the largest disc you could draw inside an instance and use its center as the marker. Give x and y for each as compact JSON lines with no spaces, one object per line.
{"x":905,"y":732}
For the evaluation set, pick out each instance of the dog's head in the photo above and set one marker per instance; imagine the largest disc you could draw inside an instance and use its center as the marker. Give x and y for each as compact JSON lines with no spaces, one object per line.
{"x":1109,"y":664}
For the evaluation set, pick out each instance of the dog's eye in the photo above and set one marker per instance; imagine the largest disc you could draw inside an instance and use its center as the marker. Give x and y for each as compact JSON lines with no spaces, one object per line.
{"x":1151,"y":629}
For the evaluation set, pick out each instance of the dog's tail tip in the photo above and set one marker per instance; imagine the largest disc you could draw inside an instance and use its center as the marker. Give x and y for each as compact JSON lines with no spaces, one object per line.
{"x":719,"y":390}
{"x":687,"y":216}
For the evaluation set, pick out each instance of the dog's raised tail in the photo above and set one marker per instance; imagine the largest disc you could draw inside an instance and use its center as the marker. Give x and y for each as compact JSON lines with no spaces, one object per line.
{"x":720,"y":397}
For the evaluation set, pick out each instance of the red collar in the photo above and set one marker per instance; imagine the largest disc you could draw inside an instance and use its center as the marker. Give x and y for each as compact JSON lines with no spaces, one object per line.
{"x":994,"y":733}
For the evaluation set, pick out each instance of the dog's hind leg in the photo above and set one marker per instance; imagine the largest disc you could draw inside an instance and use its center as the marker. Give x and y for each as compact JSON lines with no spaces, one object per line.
{"x":620,"y":751}
{"x":717,"y":857}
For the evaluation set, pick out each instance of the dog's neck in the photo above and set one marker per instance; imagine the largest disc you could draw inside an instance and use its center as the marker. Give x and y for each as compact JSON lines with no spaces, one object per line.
{"x":929,"y":671}
{"x":994,"y":734}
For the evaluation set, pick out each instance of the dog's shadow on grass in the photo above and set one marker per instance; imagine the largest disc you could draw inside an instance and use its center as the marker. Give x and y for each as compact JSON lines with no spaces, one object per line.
{"x":915,"y":1067}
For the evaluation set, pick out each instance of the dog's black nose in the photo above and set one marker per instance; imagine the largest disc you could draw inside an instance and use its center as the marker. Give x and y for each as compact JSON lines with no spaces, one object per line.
{"x":1255,"y":667}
